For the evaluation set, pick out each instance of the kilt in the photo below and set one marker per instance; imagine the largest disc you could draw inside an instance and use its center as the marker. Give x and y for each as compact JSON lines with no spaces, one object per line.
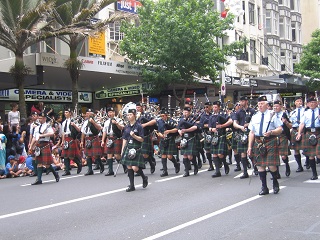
{"x":206,"y":145}
{"x":146,"y":147}
{"x":309,"y":150}
{"x":117,"y":145}
{"x":45,"y":156}
{"x":73,"y":150}
{"x":284,"y":149}
{"x":171,"y":149}
{"x":138,"y":160}
{"x":272,"y":158}
{"x":242,"y":148}
{"x":191,"y":148}
{"x":221,"y":147}
{"x":294,"y":144}
{"x":95,"y":150}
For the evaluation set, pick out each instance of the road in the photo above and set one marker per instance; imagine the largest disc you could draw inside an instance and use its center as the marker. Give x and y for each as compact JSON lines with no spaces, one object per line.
{"x":174,"y":207}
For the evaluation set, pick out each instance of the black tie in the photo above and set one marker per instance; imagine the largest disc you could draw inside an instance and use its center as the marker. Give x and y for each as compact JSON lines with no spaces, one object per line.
{"x":65,"y":126}
{"x":312,"y":120}
{"x":261,"y":124}
{"x":40,"y":128}
{"x":298,"y":118}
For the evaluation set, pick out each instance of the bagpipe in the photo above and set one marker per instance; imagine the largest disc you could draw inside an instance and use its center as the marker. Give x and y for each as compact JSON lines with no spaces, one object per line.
{"x":92,"y":127}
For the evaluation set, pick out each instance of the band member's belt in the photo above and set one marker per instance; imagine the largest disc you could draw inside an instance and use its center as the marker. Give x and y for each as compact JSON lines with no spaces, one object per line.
{"x":43,"y":141}
{"x":188,"y":135}
{"x":265,"y":139}
{"x":295,"y":128}
{"x":312,"y":129}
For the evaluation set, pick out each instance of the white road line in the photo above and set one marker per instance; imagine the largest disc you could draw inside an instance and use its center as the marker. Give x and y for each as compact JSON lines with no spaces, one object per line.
{"x":250,"y":171}
{"x":205,"y":217}
{"x":313,"y":181}
{"x":179,"y":176}
{"x":64,"y":203}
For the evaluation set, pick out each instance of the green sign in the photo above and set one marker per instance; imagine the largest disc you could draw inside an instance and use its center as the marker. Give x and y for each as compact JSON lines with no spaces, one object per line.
{"x":122,"y":91}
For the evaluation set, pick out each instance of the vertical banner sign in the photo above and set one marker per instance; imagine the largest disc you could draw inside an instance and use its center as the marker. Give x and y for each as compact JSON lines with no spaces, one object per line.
{"x":97,"y":45}
{"x":223,"y":84}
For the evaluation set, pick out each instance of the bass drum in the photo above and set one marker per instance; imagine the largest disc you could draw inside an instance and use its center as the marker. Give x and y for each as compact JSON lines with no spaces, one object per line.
{"x":125,"y":109}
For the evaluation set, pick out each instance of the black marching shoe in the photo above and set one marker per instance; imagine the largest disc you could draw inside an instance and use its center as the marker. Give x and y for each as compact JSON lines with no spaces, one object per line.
{"x":210,"y":168}
{"x":109,"y":174}
{"x":79,"y":169}
{"x":145,"y":182}
{"x":300,"y":169}
{"x":152,"y":167}
{"x":288,"y":170}
{"x":56,"y":175}
{"x":264,"y":191}
{"x":164,"y":174}
{"x":315,"y":177}
{"x":276,"y":188}
{"x":101,"y":168}
{"x":226,"y":168}
{"x":177,"y":168}
{"x":67,"y":173}
{"x":244,"y":175}
{"x":89,"y":173}
{"x":238,"y":168}
{"x":217,"y":174}
{"x":130,"y":188}
{"x":37,"y":182}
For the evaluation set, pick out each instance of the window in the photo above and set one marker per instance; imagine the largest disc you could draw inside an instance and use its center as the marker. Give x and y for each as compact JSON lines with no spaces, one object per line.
{"x":275,"y":23}
{"x":114,"y":30}
{"x":268,"y":21}
{"x":259,"y":17}
{"x":251,"y":14}
{"x":244,"y":10}
{"x":293,"y":32}
{"x":253,"y":51}
{"x":50,"y":45}
{"x":81,"y":48}
{"x":280,"y":2}
{"x":288,"y":25}
{"x":292,"y":4}
{"x":281,"y":27}
{"x":35,"y":48}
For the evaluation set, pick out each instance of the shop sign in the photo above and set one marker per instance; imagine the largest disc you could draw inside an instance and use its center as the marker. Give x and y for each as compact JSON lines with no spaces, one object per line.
{"x":236,"y":81}
{"x":97,"y":46}
{"x":228,"y":80}
{"x":253,"y":83}
{"x":122,"y":91}
{"x":128,"y":6}
{"x":32,"y":95}
{"x":245,"y":82}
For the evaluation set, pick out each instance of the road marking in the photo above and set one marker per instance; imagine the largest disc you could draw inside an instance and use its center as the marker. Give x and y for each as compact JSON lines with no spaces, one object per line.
{"x":250,"y":171}
{"x":179,"y":176}
{"x":64,"y":203}
{"x":312,"y":181}
{"x":205,"y":217}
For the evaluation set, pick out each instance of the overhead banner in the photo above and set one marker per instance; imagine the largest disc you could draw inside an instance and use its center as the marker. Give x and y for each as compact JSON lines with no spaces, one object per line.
{"x":32,"y":95}
{"x":128,"y":6}
{"x":97,"y":45}
{"x":122,"y":91}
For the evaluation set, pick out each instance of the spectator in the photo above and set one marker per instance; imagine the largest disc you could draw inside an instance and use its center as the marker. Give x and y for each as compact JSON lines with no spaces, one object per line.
{"x":37,"y":107}
{"x":3,"y":141}
{"x":12,"y":169}
{"x":8,"y":134}
{"x":14,"y":115}
{"x":29,"y":165}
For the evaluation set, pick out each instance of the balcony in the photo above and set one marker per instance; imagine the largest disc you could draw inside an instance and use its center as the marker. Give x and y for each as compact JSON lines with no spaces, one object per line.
{"x":243,"y":60}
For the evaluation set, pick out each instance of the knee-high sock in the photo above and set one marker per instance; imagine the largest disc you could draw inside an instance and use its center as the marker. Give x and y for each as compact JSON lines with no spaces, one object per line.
{"x":39,"y":173}
{"x":275,"y":177}
{"x":216,"y":164}
{"x":35,"y":168}
{"x":164,"y":164}
{"x":313,"y":167}
{"x":209,"y":157}
{"x":186,"y":163}
{"x":245,"y":164}
{"x":237,"y":158}
{"x":67,"y":164}
{"x":141,"y":173}
{"x":110,"y":164}
{"x":131,"y":177}
{"x":263,"y":178}
{"x":298,"y":160}
{"x":89,"y":163}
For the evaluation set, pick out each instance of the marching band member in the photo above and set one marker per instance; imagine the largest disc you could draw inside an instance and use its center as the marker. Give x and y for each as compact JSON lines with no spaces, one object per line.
{"x":241,"y":123}
{"x":204,"y":124}
{"x":111,"y":139}
{"x":131,"y":150}
{"x":284,"y":137}
{"x":310,"y":121}
{"x":70,"y":143}
{"x":187,"y":129}
{"x":147,"y":148}
{"x":90,"y":142}
{"x":264,"y":128}
{"x":34,"y":123}
{"x":42,"y":150}
{"x":296,"y":144}
{"x":218,"y":122}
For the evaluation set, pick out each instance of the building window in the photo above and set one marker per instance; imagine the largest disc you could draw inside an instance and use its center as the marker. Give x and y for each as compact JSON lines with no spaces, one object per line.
{"x":288,"y":25}
{"x":293,"y":31}
{"x":81,"y":48}
{"x":280,"y":2}
{"x":281,"y":27}
{"x":253,"y":51}
{"x":244,"y":10}
{"x":50,"y":45}
{"x":114,"y":31}
{"x":35,"y":48}
{"x":292,"y":4}
{"x":251,"y":14}
{"x":268,"y":21}
{"x":259,"y":17}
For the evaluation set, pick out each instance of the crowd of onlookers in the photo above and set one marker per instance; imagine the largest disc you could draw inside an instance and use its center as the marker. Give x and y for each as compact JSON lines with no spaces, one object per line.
{"x":15,"y":157}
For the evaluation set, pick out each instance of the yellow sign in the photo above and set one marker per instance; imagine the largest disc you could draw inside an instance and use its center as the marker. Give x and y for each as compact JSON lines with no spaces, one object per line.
{"x":97,"y":45}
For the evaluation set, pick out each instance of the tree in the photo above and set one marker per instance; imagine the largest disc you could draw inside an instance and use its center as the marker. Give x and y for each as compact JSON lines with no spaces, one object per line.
{"x":72,"y":13}
{"x":24,"y":23}
{"x":310,"y":62}
{"x":176,"y":40}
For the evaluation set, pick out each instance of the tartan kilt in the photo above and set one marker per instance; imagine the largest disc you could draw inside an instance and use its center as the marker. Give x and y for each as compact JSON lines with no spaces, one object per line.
{"x":138,"y":160}
{"x":146,"y":146}
{"x":191,"y":148}
{"x":272,"y":158}
{"x":294,"y":144}
{"x":283,"y":147}
{"x":96,"y":149}
{"x":117,"y":145}
{"x":45,"y":156}
{"x":171,"y":149}
{"x":73,"y":150}
{"x":242,"y":148}
{"x":308,"y":149}
{"x":221,"y":147}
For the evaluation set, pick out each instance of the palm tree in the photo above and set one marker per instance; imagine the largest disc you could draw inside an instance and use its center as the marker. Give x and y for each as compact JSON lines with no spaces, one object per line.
{"x":72,"y":13}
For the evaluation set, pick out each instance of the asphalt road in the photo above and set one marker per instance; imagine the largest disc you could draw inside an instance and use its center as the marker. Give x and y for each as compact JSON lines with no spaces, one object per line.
{"x":196,"y":207}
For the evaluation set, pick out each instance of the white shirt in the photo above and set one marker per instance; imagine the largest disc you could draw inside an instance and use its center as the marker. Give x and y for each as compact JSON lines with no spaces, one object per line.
{"x":107,"y":124}
{"x":42,"y":129}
